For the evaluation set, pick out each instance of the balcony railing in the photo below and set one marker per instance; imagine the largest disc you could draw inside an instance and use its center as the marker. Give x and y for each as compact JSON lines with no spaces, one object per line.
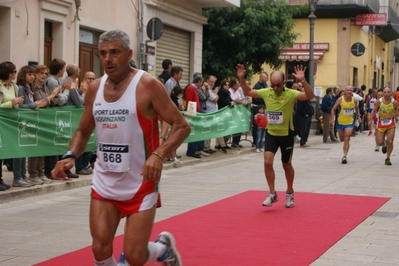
{"x":218,"y":3}
{"x":340,"y":8}
{"x":372,"y":4}
{"x":391,"y":31}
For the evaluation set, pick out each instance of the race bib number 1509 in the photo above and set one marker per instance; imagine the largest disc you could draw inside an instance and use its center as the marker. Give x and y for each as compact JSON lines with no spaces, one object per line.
{"x":275,"y":117}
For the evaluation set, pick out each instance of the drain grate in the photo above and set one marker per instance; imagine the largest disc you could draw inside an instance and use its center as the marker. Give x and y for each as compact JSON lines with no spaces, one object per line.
{"x":385,"y":214}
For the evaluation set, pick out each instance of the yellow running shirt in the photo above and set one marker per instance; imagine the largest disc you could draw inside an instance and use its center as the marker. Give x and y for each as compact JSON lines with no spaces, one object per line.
{"x":346,"y":112}
{"x":279,"y":110}
{"x":386,"y":115}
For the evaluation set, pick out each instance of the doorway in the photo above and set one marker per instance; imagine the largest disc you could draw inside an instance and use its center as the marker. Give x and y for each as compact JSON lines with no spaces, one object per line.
{"x":89,"y":56}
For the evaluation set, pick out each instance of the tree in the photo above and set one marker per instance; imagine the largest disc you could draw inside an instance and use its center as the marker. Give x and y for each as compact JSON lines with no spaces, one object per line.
{"x":252,"y":34}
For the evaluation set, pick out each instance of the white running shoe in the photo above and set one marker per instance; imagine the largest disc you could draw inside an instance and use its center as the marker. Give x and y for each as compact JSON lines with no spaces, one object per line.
{"x":202,"y":153}
{"x":36,"y":180}
{"x":271,"y":198}
{"x":176,"y":161}
{"x":171,"y":257}
{"x":45,"y":179}
{"x":26,"y":179}
{"x":20,"y":182}
{"x":289,"y":200}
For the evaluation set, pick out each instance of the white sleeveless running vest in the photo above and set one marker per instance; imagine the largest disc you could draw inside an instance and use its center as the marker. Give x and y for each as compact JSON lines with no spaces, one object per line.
{"x":125,"y":138}
{"x":371,"y":103}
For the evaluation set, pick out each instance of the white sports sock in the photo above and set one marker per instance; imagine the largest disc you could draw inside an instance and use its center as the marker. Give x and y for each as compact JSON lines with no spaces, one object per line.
{"x":108,"y":262}
{"x":156,"y":250}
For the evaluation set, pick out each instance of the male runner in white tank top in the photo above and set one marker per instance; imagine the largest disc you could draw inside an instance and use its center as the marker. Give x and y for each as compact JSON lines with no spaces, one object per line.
{"x":124,"y":106}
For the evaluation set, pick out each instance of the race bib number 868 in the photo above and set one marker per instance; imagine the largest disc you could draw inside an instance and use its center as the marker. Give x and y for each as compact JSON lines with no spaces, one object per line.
{"x":115,"y":157}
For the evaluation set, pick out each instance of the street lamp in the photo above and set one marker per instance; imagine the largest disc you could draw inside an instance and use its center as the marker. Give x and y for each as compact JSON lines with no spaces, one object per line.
{"x":312,"y":17}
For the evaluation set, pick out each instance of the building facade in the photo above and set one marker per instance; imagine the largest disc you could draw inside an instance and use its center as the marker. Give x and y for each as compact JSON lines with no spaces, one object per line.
{"x":347,"y":51}
{"x":35,"y":31}
{"x":181,"y":38}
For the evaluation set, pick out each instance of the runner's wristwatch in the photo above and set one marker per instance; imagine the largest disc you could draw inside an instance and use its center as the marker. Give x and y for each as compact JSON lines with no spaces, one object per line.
{"x":69,"y":154}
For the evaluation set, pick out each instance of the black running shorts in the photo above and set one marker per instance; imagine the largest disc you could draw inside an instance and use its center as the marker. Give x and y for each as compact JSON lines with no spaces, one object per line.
{"x":285,"y":143}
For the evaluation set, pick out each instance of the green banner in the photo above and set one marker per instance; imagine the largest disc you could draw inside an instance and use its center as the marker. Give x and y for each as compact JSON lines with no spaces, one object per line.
{"x":39,"y":132}
{"x":224,"y":122}
{"x":47,"y":131}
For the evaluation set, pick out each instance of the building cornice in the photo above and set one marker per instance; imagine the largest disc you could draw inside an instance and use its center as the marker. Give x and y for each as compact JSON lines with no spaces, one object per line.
{"x":176,"y":11}
{"x":58,"y":6}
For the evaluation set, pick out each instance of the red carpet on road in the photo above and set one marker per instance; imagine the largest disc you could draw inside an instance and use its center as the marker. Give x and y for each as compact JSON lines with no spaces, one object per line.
{"x":239,"y":231}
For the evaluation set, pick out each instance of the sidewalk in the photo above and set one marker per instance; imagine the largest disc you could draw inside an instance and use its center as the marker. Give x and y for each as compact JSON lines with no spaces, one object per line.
{"x":40,"y":227}
{"x":15,"y":193}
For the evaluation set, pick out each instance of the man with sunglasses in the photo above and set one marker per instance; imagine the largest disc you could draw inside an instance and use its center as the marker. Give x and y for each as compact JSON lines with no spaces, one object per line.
{"x":280,"y":129}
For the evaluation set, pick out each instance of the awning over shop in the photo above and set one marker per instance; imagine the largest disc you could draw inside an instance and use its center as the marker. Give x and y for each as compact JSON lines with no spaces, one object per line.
{"x":300,"y":55}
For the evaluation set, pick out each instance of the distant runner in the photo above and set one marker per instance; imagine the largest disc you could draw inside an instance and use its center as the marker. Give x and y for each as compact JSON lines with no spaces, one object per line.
{"x":346,"y":105}
{"x":386,"y":107}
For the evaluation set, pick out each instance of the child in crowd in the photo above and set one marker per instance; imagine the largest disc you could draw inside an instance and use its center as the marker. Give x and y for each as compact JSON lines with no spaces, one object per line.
{"x":176,"y":95}
{"x":261,"y":121}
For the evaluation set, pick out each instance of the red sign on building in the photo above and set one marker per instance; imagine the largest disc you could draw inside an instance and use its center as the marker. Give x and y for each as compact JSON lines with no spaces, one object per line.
{"x":301,"y":52}
{"x":371,"y":19}
{"x":306,"y":47}
{"x":293,"y":56}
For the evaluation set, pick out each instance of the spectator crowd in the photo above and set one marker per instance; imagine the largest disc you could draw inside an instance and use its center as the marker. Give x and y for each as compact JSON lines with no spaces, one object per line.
{"x":42,"y":87}
{"x":48,"y":86}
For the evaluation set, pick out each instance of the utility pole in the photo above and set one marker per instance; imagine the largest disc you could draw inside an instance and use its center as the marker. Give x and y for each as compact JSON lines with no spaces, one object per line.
{"x":312,"y":17}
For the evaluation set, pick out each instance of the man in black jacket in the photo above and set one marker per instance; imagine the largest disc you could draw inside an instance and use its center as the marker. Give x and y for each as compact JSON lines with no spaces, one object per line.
{"x":305,"y":112}
{"x":167,"y":67}
{"x":326,"y":105}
